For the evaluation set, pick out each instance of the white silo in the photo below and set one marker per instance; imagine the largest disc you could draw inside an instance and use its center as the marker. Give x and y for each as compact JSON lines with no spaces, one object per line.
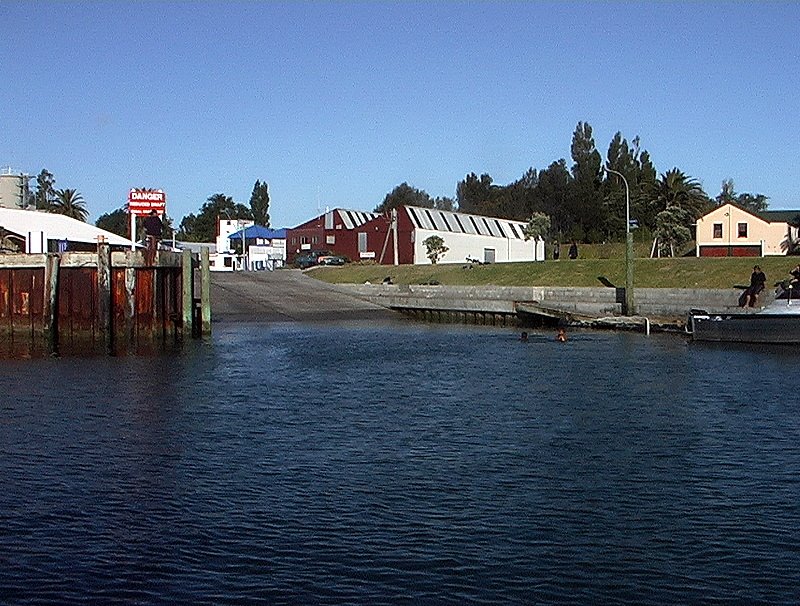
{"x":14,"y":191}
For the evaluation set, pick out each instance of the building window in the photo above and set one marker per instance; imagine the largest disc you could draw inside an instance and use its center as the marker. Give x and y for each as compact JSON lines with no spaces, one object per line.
{"x":362,"y":241}
{"x":303,"y":239}
{"x":330,"y":240}
{"x":742,"y":230}
{"x":718,"y":230}
{"x":315,"y":239}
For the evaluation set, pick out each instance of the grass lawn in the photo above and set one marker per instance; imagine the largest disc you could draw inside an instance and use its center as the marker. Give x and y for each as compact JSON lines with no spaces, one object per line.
{"x":681,"y":272}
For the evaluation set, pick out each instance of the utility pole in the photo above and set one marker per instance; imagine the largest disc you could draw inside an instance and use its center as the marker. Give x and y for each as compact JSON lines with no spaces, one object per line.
{"x":629,"y":299}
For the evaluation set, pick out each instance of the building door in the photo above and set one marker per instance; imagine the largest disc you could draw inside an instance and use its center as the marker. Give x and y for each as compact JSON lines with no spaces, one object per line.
{"x":488,"y":255}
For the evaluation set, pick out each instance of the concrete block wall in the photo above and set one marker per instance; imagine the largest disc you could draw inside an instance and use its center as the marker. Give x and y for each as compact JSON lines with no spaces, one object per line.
{"x":590,"y":301}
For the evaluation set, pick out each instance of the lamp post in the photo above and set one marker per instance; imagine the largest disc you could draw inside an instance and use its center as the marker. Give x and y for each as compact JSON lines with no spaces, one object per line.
{"x":243,"y":231}
{"x":730,"y":234}
{"x":629,"y":300}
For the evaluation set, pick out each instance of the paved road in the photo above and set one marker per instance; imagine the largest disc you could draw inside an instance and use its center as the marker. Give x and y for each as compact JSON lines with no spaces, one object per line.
{"x":284,"y":296}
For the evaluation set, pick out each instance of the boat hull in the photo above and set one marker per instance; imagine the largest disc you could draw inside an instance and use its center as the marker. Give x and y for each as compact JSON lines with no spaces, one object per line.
{"x":746,"y":327}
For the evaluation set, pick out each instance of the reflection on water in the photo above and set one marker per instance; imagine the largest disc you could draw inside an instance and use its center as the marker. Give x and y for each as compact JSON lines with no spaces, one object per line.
{"x":393,"y":464}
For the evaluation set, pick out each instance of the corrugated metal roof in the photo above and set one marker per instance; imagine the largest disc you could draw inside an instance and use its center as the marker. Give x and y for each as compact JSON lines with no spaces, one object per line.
{"x":355,"y":218}
{"x":445,"y":220}
{"x":55,"y":227}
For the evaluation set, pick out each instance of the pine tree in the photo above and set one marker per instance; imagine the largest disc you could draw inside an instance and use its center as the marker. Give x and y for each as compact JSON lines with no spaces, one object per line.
{"x":259,"y":203}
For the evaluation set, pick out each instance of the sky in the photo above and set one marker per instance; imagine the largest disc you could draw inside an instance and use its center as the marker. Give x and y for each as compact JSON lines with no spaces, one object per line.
{"x":334,"y":104}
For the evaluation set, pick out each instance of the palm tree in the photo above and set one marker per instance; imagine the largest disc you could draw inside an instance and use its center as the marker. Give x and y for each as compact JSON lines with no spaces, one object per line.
{"x":675,"y":189}
{"x":678,"y":200}
{"x":69,"y":202}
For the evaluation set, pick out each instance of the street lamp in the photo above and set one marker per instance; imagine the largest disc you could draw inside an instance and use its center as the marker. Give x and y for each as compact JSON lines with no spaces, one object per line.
{"x":629,"y":301}
{"x":730,"y":234}
{"x":244,"y":243}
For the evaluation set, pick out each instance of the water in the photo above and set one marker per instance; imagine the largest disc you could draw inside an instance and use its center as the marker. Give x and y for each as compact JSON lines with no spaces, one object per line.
{"x":403,"y":464}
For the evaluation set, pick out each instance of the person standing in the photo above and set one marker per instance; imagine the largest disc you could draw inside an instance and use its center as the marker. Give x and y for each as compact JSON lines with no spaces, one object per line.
{"x":556,"y":250}
{"x":573,"y":250}
{"x":153,"y":227}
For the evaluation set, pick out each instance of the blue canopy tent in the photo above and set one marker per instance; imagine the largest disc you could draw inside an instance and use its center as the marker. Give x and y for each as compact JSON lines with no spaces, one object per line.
{"x":258,"y":231}
{"x":252,"y":234}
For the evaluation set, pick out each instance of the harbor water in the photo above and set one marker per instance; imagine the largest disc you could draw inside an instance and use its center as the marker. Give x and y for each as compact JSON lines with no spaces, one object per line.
{"x":365,"y":463}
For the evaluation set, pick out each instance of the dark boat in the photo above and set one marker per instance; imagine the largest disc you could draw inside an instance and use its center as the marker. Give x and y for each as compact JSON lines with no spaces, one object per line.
{"x":778,"y":322}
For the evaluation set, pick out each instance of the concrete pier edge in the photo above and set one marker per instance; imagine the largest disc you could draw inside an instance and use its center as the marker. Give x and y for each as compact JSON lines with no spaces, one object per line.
{"x":664,"y":309}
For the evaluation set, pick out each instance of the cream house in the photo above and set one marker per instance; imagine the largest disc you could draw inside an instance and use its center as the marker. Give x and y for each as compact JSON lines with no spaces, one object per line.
{"x":731,"y":231}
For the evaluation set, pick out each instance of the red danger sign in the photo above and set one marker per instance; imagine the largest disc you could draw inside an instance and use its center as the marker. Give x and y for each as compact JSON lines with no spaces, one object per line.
{"x":142,"y":202}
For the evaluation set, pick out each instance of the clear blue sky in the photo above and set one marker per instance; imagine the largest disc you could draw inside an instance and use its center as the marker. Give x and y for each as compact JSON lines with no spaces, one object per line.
{"x":334,"y":104}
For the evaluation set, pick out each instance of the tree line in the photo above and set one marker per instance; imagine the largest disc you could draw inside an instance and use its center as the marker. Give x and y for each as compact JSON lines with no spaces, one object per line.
{"x":202,"y":227}
{"x":583,"y":201}
{"x":586,"y":201}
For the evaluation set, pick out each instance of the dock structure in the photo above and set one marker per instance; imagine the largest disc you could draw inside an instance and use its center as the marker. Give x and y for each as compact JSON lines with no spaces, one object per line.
{"x":590,"y":307}
{"x":108,"y":302}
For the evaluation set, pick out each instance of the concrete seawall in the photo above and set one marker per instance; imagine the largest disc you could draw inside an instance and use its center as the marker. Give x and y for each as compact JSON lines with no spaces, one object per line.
{"x":661,"y":305}
{"x":291,"y":295}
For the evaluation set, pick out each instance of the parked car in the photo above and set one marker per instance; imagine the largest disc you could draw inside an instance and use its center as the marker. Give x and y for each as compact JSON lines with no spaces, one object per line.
{"x":331,"y":260}
{"x":310,"y":258}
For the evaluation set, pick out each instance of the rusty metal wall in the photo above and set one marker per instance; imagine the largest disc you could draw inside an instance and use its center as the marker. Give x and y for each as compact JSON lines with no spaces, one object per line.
{"x":21,"y":306}
{"x":151,"y":320}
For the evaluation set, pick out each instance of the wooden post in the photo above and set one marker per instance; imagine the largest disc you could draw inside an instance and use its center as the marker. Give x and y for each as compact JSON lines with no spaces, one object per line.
{"x":188,"y":292}
{"x":159,"y":276}
{"x":205,"y":291}
{"x":51,"y":275}
{"x":104,"y":307}
{"x":130,"y":299}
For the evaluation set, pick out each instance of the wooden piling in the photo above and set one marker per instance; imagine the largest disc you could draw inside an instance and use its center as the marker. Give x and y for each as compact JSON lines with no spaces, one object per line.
{"x":187,"y":303}
{"x":104,"y":301}
{"x":130,"y":299}
{"x":51,"y":276}
{"x":205,"y":291}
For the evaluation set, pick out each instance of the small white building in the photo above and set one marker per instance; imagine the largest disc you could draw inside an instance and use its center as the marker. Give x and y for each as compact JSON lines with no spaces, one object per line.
{"x":225,"y":258}
{"x":264,"y":248}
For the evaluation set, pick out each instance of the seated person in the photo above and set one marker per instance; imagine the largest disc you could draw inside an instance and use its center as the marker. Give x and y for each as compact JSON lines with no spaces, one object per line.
{"x":795,"y":273}
{"x":757,"y":281}
{"x":789,"y":288}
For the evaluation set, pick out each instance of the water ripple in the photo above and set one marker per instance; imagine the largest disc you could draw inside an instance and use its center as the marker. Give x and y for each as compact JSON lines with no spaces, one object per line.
{"x":402,"y":464}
